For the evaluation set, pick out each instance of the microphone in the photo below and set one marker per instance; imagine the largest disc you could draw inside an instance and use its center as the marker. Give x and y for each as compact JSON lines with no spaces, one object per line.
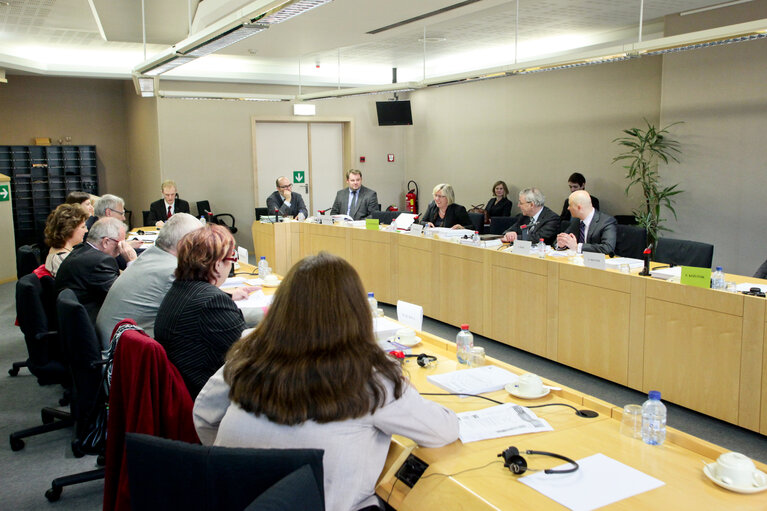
{"x":276,"y":215}
{"x":646,"y":270}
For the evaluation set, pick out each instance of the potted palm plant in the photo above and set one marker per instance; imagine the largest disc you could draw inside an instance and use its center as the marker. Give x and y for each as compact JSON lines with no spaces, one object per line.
{"x":644,"y":150}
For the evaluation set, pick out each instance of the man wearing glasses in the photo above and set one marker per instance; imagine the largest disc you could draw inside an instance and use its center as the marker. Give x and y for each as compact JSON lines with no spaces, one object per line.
{"x":285,"y":200}
{"x":93,"y":267}
{"x":536,"y":221}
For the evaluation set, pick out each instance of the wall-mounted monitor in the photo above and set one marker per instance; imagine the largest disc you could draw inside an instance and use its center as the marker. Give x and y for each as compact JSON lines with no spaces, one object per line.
{"x":394,"y":113}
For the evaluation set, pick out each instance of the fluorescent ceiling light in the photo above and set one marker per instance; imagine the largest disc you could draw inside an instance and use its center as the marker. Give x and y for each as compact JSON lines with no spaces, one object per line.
{"x":230,"y":96}
{"x":360,"y":91}
{"x":294,"y":8}
{"x":226,"y":39}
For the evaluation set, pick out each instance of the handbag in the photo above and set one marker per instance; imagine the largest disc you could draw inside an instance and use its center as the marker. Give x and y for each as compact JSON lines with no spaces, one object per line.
{"x":480,"y":208}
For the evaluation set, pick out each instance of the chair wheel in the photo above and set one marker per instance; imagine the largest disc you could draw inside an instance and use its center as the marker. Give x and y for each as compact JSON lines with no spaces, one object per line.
{"x":53,"y":494}
{"x":13,"y":371}
{"x":17,"y":444}
{"x":76,"y":450}
{"x":46,"y":417}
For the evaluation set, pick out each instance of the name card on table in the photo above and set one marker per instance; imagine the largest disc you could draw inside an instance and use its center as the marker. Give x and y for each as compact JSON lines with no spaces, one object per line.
{"x":416,"y":229}
{"x":521,"y":247}
{"x":242,"y":254}
{"x":698,"y":277}
{"x":326,"y":220}
{"x":594,"y":260}
{"x":371,"y":224}
{"x":410,"y":314}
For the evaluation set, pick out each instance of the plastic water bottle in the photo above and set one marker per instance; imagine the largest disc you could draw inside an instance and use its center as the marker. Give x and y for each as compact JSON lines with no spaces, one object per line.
{"x":202,"y":220}
{"x":475,"y":238}
{"x":373,"y":303}
{"x":717,"y":279}
{"x":263,"y":267}
{"x":653,"y":420}
{"x":464,"y":342}
{"x":426,"y":231}
{"x":541,"y":249}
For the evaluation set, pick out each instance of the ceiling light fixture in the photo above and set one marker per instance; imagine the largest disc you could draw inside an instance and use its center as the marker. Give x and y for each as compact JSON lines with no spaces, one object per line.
{"x":225,"y":96}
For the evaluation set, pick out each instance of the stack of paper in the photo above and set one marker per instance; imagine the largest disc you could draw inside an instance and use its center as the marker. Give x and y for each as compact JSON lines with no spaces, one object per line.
{"x":474,"y":381}
{"x":667,"y":273}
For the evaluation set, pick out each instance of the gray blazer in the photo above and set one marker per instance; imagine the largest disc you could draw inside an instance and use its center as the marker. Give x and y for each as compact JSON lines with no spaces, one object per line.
{"x":367,"y":202}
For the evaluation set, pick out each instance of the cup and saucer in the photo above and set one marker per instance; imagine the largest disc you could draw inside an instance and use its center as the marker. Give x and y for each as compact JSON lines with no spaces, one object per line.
{"x":736,"y":472}
{"x":270,"y":280}
{"x":528,"y":386}
{"x":406,"y":337}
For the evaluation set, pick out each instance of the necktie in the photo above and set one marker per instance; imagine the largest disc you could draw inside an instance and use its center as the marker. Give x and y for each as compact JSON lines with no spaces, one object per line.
{"x":526,"y":232}
{"x":582,"y":233}
{"x":352,"y":201}
{"x":170,"y":213}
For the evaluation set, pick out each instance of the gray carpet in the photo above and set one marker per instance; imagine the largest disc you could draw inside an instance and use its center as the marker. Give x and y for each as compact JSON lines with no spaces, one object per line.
{"x":27,"y":474}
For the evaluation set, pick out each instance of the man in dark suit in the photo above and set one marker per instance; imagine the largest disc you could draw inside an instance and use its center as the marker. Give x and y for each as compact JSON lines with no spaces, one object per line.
{"x":576,"y":182}
{"x":590,"y":230}
{"x":536,"y":221}
{"x":163,"y":209}
{"x":90,"y":269}
{"x":356,"y":201}
{"x":288,"y":202}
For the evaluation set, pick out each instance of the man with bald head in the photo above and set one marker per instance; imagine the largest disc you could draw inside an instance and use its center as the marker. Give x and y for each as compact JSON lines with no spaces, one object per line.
{"x":590,"y":230}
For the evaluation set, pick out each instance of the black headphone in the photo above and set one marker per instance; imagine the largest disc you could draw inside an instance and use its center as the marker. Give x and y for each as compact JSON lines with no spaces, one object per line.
{"x":422,"y":359}
{"x":518,"y":465}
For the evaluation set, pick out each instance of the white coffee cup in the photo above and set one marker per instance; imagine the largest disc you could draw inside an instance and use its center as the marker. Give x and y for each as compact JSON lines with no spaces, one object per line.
{"x":271,"y":279}
{"x":529,"y":384}
{"x":738,"y":470}
{"x":406,"y":336}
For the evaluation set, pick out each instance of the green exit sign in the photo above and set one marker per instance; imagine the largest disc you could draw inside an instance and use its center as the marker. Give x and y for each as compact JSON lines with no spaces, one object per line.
{"x":299,"y":176}
{"x":5,"y":192}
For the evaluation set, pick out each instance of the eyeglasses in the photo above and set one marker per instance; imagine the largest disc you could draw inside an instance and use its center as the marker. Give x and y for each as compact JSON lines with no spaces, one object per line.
{"x":439,"y":196}
{"x":286,"y":186}
{"x":117,"y":211}
{"x":108,"y":238}
{"x":233,"y":258}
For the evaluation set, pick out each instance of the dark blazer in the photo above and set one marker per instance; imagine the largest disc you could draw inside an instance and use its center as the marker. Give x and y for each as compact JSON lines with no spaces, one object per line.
{"x":275,"y":201}
{"x":455,"y":214}
{"x":90,"y":273}
{"x":500,"y":208}
{"x":158,"y":212}
{"x":565,"y":215}
{"x":546,"y":227}
{"x":197,"y":323}
{"x":367,"y":202}
{"x":602,"y":234}
{"x":761,"y":273}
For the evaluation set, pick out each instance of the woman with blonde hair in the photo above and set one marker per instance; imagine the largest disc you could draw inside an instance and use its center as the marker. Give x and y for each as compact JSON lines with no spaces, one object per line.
{"x":64,"y":229}
{"x":312,"y":376}
{"x":499,"y":205}
{"x":444,"y":212}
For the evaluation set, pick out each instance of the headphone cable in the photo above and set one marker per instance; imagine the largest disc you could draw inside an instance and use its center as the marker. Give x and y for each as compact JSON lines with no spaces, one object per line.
{"x":580,"y":413}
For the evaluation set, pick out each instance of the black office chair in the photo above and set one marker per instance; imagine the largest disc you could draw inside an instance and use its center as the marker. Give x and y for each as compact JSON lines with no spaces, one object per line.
{"x":145,"y":217}
{"x":684,"y":253}
{"x":28,"y":257}
{"x":498,"y":224}
{"x":82,"y":351}
{"x":45,"y":358}
{"x":478,"y":222}
{"x":563,"y":225}
{"x":625,"y":219}
{"x":261,"y":212}
{"x":385,"y":217}
{"x":129,"y":218}
{"x":203,"y":209}
{"x":631,"y":241}
{"x":167,"y":474}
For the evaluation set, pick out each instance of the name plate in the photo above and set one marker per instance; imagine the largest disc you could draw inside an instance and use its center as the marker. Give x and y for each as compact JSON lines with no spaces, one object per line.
{"x":371,"y":224}
{"x":594,"y":260}
{"x":521,"y":247}
{"x":326,"y":221}
{"x":416,"y":228}
{"x":698,"y":277}
{"x":491,"y":243}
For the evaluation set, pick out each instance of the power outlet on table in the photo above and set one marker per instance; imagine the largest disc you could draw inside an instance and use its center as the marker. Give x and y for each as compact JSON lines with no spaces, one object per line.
{"x":412,"y":470}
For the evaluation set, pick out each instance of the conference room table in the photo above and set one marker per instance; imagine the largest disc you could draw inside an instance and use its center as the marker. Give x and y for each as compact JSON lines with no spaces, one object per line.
{"x":471,"y":476}
{"x":703,"y":349}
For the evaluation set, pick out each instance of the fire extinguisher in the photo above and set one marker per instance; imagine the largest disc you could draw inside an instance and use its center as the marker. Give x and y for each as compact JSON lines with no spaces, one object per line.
{"x":411,"y":198}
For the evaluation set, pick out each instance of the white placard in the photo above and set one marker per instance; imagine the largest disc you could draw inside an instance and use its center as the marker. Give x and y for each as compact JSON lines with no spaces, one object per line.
{"x":521,"y":247}
{"x":594,"y":260}
{"x":491,"y":243}
{"x":242,"y":254}
{"x":326,"y":220}
{"x":416,"y":229}
{"x":410,"y":314}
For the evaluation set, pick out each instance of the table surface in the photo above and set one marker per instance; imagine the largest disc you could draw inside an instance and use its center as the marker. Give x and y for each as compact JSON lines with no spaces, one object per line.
{"x":471,"y":476}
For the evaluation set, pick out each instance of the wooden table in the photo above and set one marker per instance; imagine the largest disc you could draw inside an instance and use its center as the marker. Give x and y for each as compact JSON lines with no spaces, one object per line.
{"x":678,"y":462}
{"x":703,"y":349}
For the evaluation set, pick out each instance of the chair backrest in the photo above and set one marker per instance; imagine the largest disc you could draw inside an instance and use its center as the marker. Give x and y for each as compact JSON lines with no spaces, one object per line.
{"x":498,"y":224}
{"x":625,"y":219}
{"x":203,"y":208}
{"x":261,"y":212}
{"x":478,"y":222}
{"x":81,"y":350}
{"x":167,"y":474}
{"x":27,"y":259}
{"x":684,"y":253}
{"x":145,"y":218}
{"x":631,"y":241}
{"x":385,"y":217}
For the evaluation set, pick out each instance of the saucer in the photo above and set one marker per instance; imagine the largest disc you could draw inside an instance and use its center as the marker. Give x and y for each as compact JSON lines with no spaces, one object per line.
{"x":514,"y":391}
{"x":416,"y":341}
{"x":270,"y":284}
{"x":709,"y":471}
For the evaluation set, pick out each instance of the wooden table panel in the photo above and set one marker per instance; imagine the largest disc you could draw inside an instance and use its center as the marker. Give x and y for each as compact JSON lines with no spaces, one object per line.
{"x":593,"y":334}
{"x":418,"y":273}
{"x":371,"y":255}
{"x":461,"y":286}
{"x":693,"y":357}
{"x":519,"y":301}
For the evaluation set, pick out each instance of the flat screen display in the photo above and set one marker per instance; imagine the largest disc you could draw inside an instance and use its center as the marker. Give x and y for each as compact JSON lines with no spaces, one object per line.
{"x":394,"y":113}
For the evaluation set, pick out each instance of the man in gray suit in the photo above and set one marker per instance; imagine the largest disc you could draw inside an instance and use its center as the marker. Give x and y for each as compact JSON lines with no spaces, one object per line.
{"x":356,"y":201}
{"x":138,"y":292}
{"x":590,"y":230}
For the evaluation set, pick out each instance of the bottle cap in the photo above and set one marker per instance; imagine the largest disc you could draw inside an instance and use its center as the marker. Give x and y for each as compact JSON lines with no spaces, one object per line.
{"x":719,"y":268}
{"x":371,"y":295}
{"x":465,"y":326}
{"x":263,"y":257}
{"x":655,"y":394}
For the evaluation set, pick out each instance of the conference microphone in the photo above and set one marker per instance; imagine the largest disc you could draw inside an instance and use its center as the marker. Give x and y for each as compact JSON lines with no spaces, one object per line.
{"x":276,"y":215}
{"x":646,"y":253}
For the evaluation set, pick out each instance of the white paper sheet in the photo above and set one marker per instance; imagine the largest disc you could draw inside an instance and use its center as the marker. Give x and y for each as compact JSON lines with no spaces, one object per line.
{"x":498,"y":421}
{"x":599,"y":481}
{"x":746,"y":286}
{"x":474,"y":381}
{"x":256,"y":300}
{"x":233,"y":282}
{"x":616,"y":262}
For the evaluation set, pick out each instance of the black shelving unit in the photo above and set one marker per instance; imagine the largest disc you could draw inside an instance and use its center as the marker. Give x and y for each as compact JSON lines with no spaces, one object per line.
{"x":41,"y":178}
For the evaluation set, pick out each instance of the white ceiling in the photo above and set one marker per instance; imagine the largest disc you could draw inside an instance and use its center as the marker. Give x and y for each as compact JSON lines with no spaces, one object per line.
{"x":64,"y":37}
